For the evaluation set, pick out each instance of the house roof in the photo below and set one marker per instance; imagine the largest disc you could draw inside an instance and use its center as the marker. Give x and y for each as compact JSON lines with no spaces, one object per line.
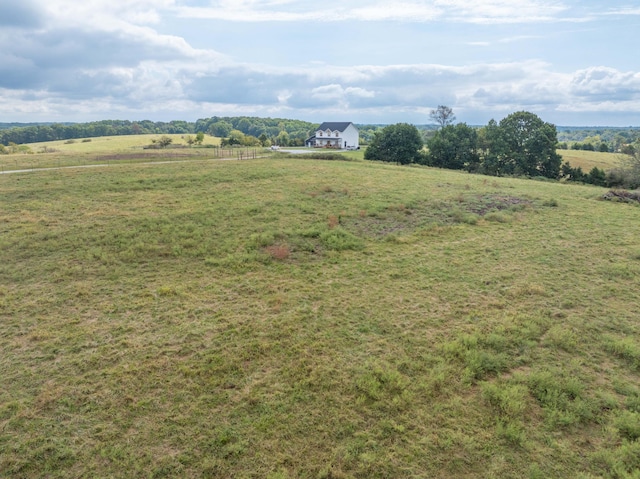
{"x":333,"y":126}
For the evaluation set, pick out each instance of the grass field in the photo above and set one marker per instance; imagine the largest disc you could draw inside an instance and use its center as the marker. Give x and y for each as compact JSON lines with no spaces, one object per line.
{"x":288,"y":318}
{"x":113,"y":150}
{"x":590,"y":159}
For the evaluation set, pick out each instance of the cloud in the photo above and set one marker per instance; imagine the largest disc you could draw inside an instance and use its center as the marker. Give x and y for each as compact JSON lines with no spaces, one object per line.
{"x":480,"y":11}
{"x":68,"y":60}
{"x":602,"y":82}
{"x":624,"y":11}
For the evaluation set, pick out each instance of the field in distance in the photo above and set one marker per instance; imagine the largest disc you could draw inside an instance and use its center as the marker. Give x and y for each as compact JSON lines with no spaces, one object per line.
{"x":287,"y":318}
{"x":106,"y":149}
{"x":591,"y":159}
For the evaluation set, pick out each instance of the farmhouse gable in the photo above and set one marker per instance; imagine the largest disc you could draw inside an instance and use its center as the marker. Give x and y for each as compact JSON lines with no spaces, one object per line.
{"x":339,"y":135}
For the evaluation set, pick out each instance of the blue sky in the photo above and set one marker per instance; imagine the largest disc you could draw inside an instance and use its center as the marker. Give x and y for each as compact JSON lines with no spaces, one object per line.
{"x":570,"y":62}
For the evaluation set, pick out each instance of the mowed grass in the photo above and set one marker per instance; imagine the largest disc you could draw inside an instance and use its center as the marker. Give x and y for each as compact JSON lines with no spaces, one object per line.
{"x":298,"y":318}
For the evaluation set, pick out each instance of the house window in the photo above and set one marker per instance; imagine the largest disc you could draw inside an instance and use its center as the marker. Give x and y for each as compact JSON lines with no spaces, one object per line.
{"x":319,"y":133}
{"x":336,"y":134}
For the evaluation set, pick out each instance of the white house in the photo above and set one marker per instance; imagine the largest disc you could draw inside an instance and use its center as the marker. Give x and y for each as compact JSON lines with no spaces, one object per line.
{"x":340,"y":135}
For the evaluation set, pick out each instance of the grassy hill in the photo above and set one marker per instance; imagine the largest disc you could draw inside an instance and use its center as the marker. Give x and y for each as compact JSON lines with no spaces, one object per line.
{"x":590,"y":159}
{"x":299,"y":318}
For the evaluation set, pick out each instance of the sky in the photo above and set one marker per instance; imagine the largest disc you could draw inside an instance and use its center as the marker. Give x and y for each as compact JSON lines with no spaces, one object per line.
{"x":573,"y":63}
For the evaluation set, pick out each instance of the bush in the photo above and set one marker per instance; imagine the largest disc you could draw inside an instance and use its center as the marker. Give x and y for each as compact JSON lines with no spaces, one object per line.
{"x":400,"y":143}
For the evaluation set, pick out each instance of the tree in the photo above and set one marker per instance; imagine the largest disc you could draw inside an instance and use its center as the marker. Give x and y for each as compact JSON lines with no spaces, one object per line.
{"x":282,"y":139}
{"x":199,"y":138}
{"x":163,"y":141}
{"x":221,"y":129}
{"x":454,"y":147}
{"x":400,"y":143}
{"x":236,"y":137}
{"x":627,"y":175}
{"x":442,"y":116}
{"x":596,"y":177}
{"x":570,"y":173}
{"x":527,"y":146}
{"x":495,"y":159}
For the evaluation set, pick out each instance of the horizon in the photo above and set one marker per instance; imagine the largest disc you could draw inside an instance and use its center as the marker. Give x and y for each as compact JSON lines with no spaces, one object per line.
{"x":19,"y":124}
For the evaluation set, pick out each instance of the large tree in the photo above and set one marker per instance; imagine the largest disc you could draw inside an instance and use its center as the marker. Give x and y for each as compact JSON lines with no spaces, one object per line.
{"x":400,"y":143}
{"x":525,"y":145}
{"x":454,"y":147}
{"x":442,"y":116}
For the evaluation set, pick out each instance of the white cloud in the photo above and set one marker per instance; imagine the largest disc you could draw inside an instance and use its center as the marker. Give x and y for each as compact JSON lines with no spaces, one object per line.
{"x":402,"y":11}
{"x":480,"y":11}
{"x":624,"y":11}
{"x":606,"y":82}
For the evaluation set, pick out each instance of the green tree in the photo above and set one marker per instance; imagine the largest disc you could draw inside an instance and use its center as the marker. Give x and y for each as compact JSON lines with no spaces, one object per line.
{"x":163,"y":141}
{"x":495,"y":160}
{"x":236,"y":137}
{"x":454,"y":147}
{"x":220,"y":129}
{"x":244,"y":125}
{"x":527,"y":146}
{"x":400,"y":143}
{"x":199,"y":137}
{"x":596,"y":177}
{"x":282,"y":139}
{"x":571,"y":174}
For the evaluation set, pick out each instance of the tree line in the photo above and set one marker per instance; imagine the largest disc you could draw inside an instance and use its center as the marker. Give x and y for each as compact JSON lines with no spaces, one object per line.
{"x":521,"y":144}
{"x":615,"y":139}
{"x":277,"y":130}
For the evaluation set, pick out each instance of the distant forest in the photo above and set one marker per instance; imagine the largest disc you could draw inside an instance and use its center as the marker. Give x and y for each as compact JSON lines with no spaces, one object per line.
{"x":279,"y":131}
{"x":284,"y":132}
{"x":598,"y":138}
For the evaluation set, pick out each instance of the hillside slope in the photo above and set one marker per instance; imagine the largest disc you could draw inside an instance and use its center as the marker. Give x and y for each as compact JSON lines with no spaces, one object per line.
{"x":300,"y":318}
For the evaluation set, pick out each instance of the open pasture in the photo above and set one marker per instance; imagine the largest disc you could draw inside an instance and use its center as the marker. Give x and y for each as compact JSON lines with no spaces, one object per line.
{"x":107,"y":150}
{"x":588,"y":160}
{"x":288,"y":318}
